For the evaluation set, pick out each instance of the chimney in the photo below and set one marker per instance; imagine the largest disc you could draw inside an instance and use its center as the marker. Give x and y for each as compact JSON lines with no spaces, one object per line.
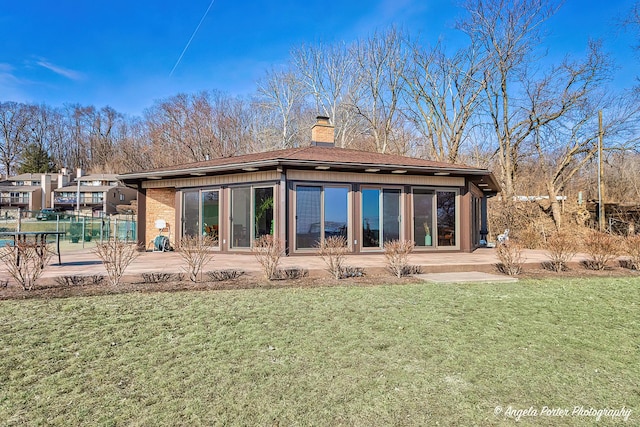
{"x":322,"y":133}
{"x":78,"y":172}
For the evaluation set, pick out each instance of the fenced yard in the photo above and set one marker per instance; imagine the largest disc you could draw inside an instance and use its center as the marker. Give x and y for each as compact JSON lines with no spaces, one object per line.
{"x":80,"y":230}
{"x":346,"y":355}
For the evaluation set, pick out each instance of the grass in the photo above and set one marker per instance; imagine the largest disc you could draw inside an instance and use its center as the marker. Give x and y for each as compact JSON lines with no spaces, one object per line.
{"x":386,"y":355}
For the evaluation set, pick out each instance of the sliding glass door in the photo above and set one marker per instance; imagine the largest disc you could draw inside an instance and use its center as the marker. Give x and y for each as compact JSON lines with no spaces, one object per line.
{"x":201,"y":213}
{"x":321,"y":212}
{"x":252,"y":215}
{"x":423,"y":217}
{"x":381,"y":216}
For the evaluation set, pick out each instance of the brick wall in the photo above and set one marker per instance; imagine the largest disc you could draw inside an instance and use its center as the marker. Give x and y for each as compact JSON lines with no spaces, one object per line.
{"x":161,"y":204}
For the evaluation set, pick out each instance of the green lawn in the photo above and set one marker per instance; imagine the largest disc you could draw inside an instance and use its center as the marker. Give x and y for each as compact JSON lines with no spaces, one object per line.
{"x":385,"y":355}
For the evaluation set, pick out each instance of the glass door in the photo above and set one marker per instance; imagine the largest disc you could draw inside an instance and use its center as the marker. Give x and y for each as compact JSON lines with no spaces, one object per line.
{"x":423,"y":217}
{"x":380,"y":216}
{"x":190,"y":213}
{"x":446,"y":217}
{"x":211,"y":214}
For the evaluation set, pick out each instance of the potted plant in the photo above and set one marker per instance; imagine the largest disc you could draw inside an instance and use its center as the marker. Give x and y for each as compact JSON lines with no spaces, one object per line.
{"x":427,"y":234}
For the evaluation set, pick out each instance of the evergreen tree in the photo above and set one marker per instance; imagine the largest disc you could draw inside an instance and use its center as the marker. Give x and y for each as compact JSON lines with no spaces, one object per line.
{"x":35,"y":159}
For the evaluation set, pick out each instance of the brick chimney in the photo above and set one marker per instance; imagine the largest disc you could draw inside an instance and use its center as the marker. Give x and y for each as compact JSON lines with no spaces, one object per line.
{"x":322,"y":133}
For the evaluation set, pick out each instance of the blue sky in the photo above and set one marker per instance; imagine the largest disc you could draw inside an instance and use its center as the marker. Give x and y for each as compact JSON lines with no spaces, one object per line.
{"x":121,"y":52}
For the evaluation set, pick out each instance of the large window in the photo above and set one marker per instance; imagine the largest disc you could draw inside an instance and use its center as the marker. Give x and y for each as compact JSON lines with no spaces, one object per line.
{"x":423,"y":217}
{"x":252,"y":215}
{"x":201,"y":213}
{"x":446,"y":208}
{"x":240,"y":217}
{"x":380,"y":216}
{"x":211,"y":213}
{"x":321,"y":212}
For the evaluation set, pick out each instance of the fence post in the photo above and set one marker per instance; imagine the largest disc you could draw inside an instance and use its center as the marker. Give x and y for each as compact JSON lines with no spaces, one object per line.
{"x":84,"y":230}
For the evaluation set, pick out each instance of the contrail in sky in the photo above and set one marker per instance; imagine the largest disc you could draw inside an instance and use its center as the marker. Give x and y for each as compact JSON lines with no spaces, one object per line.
{"x":192,"y":36}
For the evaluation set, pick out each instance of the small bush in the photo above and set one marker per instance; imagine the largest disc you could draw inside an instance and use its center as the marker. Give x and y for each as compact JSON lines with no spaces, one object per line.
{"x":350,"y":271}
{"x":222,"y":275}
{"x":602,"y":248}
{"x":268,"y":249}
{"x":397,"y":255}
{"x":561,"y":247}
{"x":25,"y":262}
{"x":632,"y":249}
{"x":116,"y":255}
{"x":150,"y":278}
{"x":333,"y":251}
{"x":290,"y":273}
{"x":79,"y":280}
{"x":196,"y":251}
{"x":511,"y":258}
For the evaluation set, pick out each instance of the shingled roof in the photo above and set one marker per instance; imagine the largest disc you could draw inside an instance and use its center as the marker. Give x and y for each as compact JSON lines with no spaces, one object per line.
{"x":311,"y":157}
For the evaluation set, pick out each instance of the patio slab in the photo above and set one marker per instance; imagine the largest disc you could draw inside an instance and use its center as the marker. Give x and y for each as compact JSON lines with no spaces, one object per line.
{"x":466,"y":277}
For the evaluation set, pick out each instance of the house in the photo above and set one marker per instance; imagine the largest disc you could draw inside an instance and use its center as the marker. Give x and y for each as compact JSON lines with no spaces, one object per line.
{"x":30,"y":191}
{"x":305,"y":194}
{"x":95,"y":194}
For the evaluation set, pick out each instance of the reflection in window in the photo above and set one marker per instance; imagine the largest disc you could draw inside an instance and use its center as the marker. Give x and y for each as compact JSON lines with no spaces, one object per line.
{"x":321,"y":212}
{"x":210,"y":214}
{"x":370,"y":218}
{"x":263,"y":211}
{"x":190,"y":213}
{"x":307,"y":216}
{"x":422,"y":217}
{"x":336,"y":211}
{"x":446,"y":207}
{"x":240,"y":217}
{"x":376,"y":230}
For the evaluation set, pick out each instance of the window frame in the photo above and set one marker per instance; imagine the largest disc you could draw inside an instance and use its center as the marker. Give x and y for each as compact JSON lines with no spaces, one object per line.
{"x":294,"y":213}
{"x":434,"y":218}
{"x":401,"y":222}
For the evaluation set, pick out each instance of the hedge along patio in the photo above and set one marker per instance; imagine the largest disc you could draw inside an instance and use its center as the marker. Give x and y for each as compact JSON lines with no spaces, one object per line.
{"x":303,"y":195}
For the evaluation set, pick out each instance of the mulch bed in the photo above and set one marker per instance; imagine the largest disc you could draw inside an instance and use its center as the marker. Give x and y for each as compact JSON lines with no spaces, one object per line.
{"x":49,"y":288}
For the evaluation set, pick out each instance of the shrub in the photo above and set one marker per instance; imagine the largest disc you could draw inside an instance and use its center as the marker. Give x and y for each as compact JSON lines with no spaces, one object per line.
{"x":350,"y":271}
{"x":116,"y":255}
{"x":291,"y":273}
{"x":79,"y":280}
{"x":510,"y":256}
{"x":196,"y":251}
{"x":397,"y":254}
{"x":333,"y":251}
{"x":268,"y":249}
{"x":561,"y":247}
{"x":222,"y":275}
{"x":25,"y":262}
{"x":156,"y":277}
{"x":632,"y":250}
{"x":601,"y":248}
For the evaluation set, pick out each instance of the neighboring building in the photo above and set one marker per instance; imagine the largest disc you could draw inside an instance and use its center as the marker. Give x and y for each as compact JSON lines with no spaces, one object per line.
{"x":30,"y":191}
{"x":302,"y":195}
{"x":99,"y":193}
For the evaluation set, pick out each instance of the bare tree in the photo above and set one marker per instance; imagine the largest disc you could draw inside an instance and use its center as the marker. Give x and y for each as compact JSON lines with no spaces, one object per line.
{"x":328,"y":73}
{"x":508,"y":34}
{"x":281,"y":93}
{"x":443,"y":93}
{"x":381,"y":62}
{"x":15,"y":120}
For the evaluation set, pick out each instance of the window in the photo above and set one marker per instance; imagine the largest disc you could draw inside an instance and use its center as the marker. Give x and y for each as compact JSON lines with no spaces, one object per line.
{"x":200,"y":213}
{"x":446,"y":209}
{"x":423,"y":217}
{"x":380,"y":216}
{"x":252,"y":214}
{"x":321,"y":212}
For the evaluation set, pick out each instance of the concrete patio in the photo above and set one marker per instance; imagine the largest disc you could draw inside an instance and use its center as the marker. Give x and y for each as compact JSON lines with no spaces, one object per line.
{"x":85,"y":262}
